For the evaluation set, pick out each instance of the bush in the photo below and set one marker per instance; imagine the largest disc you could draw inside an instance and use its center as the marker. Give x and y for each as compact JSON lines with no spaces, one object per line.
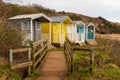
{"x":10,"y":38}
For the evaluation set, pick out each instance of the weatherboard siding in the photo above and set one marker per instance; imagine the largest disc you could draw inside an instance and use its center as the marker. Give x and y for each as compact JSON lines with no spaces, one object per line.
{"x":45,"y":27}
{"x":45,"y":31}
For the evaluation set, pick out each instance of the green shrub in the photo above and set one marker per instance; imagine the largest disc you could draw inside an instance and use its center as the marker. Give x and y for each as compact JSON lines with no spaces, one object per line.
{"x":35,"y":73}
{"x":15,"y":76}
{"x":10,"y":38}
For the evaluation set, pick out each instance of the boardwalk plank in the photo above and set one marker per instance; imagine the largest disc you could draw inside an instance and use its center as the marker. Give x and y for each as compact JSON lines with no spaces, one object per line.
{"x":54,"y":67}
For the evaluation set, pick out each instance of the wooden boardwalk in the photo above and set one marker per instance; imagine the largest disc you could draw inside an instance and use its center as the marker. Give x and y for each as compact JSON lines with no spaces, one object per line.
{"x":54,"y":67}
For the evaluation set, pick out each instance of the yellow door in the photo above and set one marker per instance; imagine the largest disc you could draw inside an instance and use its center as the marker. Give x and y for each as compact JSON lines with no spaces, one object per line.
{"x":55,"y":35}
{"x":63,"y":33}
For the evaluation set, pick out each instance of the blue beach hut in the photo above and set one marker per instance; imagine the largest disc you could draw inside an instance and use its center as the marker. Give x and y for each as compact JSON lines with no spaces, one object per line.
{"x":90,"y":31}
{"x":80,"y":31}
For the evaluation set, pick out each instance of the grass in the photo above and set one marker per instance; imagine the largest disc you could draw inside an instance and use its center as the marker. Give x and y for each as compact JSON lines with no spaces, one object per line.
{"x":3,"y":69}
{"x":112,"y":72}
{"x":3,"y":72}
{"x":35,"y":73}
{"x":14,"y":75}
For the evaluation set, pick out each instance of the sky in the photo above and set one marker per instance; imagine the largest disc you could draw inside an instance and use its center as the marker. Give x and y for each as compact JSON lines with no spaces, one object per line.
{"x":109,"y":9}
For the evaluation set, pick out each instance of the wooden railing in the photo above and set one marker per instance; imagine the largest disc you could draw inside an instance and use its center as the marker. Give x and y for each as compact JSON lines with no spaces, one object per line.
{"x":39,"y":50}
{"x":36,"y":54}
{"x":69,"y":49}
{"x":20,"y":65}
{"x":91,"y":56}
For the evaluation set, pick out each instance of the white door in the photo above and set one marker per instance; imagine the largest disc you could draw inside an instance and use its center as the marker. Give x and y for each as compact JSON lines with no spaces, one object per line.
{"x":82,"y":36}
{"x":37,"y":31}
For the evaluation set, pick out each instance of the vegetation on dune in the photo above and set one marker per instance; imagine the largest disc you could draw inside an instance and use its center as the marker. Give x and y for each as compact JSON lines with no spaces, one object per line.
{"x":106,"y":62}
{"x":3,"y":72}
{"x":10,"y":38}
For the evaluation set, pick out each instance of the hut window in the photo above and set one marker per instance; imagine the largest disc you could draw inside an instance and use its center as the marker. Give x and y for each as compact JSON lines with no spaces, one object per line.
{"x":37,"y":25}
{"x":25,"y":25}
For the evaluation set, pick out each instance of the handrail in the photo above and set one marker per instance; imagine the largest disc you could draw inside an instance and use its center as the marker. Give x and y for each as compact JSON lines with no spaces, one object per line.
{"x":39,"y":50}
{"x":68,"y":50}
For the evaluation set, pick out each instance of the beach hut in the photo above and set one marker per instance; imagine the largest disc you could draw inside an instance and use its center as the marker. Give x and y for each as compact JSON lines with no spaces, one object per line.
{"x":90,"y":31}
{"x":30,"y":25}
{"x":80,"y":31}
{"x":59,"y":29}
{"x":71,"y":32}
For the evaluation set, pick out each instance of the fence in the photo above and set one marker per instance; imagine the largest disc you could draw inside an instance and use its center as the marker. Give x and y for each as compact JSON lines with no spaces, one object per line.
{"x":39,"y":50}
{"x":69,"y":49}
{"x":91,"y":56}
{"x":20,"y":65}
{"x":36,"y":54}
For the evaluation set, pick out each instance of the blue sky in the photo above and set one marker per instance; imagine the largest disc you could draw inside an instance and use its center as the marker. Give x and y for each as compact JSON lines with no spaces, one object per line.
{"x":109,"y":9}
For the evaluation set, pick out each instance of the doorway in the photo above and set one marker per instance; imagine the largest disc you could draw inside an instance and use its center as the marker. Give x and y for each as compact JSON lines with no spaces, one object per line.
{"x":37,"y":31}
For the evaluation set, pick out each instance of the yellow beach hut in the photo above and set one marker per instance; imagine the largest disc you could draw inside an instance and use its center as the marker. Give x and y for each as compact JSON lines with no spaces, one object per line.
{"x":59,"y":29}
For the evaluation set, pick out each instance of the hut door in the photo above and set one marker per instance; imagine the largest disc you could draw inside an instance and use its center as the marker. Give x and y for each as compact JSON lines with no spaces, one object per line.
{"x":90,"y":32}
{"x":37,"y":31}
{"x":80,"y":31}
{"x":63,"y":32}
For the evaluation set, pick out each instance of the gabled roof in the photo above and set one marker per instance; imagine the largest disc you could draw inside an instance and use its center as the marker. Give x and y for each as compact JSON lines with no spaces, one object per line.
{"x":30,"y":16}
{"x":59,"y":18}
{"x":75,"y":22}
{"x":78,"y":21}
{"x":89,"y":23}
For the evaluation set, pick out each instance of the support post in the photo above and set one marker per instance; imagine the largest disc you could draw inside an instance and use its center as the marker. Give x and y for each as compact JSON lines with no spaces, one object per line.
{"x":72,"y":51}
{"x":33,"y":59}
{"x":10,"y":60}
{"x":29,"y":59}
{"x":91,"y":60}
{"x":31,"y":29}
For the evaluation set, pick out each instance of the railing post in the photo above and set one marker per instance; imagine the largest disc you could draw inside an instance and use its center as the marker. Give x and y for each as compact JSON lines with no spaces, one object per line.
{"x":46,"y":42}
{"x":64,"y":47}
{"x":33,"y":60}
{"x":91,"y":60}
{"x":72,"y":51}
{"x":29,"y":59}
{"x":10,"y":60}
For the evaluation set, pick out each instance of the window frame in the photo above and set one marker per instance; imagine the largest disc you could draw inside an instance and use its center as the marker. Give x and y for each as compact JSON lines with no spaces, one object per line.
{"x":36,"y":26}
{"x":28,"y":25}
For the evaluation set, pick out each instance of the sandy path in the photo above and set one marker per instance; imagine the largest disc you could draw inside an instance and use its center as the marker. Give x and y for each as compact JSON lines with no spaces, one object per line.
{"x":54,"y":66}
